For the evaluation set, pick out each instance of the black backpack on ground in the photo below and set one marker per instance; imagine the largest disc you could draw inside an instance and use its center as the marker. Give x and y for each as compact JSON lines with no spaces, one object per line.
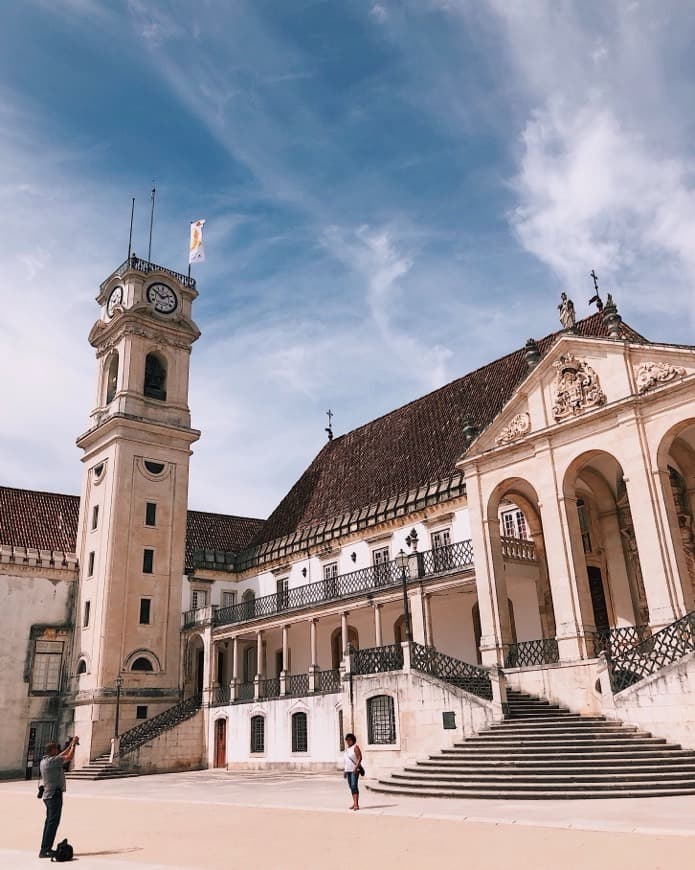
{"x":63,"y":852}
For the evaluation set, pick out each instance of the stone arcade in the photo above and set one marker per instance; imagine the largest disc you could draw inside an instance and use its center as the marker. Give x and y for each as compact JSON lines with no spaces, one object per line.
{"x":527,"y":528}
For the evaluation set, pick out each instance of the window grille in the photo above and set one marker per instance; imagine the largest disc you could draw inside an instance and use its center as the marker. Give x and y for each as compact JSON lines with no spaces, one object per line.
{"x":199,"y":598}
{"x":257,"y":734}
{"x":300,"y":742}
{"x":381,"y":719}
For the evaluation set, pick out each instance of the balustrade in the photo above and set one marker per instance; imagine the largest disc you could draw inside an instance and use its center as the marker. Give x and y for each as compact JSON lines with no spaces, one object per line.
{"x":528,"y":653}
{"x":471,"y":678}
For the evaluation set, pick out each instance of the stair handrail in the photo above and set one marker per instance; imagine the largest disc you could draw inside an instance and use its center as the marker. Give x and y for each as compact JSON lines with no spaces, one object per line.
{"x":151,"y":728}
{"x":474,"y":679}
{"x":663,"y":648}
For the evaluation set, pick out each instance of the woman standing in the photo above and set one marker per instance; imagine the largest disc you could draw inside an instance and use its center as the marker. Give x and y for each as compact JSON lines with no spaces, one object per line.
{"x":353,"y":769}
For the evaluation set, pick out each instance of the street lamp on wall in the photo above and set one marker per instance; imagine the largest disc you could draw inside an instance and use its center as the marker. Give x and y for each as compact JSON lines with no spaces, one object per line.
{"x":119,"y":683}
{"x":401,"y":561}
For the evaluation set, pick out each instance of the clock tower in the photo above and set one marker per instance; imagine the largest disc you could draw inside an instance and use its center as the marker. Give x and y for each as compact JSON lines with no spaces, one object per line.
{"x":132,"y":527}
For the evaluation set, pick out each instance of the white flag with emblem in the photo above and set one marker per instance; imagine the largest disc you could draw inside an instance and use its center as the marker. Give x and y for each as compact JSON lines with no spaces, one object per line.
{"x":196,"y":253}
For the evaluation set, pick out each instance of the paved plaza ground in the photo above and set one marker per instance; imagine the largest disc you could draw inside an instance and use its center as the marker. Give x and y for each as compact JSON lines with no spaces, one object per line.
{"x":280,"y":821}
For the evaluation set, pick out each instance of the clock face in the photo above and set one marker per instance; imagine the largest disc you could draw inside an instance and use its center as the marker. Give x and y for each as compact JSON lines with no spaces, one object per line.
{"x":162,"y":298}
{"x":116,"y":298}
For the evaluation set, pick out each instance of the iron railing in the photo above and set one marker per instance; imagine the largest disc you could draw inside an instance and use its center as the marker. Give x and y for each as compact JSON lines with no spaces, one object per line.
{"x":151,"y":728}
{"x":220,"y":696}
{"x":452,"y":557}
{"x":616,"y":641}
{"x":245,"y":691}
{"x":197,"y":616}
{"x":328,"y":681}
{"x":269,"y":688}
{"x":653,"y":653}
{"x":528,"y":653}
{"x":297,"y":685}
{"x":140,"y":265}
{"x":376,"y":660}
{"x":470,"y":678}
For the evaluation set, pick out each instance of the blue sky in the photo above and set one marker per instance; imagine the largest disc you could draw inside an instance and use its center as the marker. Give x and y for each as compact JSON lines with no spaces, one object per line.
{"x":396,"y":192}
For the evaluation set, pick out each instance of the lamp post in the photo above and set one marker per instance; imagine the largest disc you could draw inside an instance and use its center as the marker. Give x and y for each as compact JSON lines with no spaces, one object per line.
{"x":402,"y":562}
{"x":119,"y":683}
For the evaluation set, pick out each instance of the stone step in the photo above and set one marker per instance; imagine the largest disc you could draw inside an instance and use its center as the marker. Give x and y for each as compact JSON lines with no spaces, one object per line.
{"x":549,"y":776}
{"x":562,"y":739}
{"x":599,"y":765}
{"x":555,"y":727}
{"x":566,"y":754}
{"x":511,"y":794}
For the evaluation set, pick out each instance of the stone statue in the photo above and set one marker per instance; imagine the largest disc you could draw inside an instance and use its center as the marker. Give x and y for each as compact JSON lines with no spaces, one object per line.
{"x":566,"y":309}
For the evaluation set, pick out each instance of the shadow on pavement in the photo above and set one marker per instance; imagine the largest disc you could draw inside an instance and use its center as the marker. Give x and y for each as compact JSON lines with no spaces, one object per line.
{"x":108,"y":852}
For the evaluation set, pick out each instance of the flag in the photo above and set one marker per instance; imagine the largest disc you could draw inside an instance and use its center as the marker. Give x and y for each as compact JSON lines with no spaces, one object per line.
{"x":196,"y":253}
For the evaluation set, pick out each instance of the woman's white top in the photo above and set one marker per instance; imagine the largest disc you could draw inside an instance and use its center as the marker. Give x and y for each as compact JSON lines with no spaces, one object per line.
{"x":350,"y":760}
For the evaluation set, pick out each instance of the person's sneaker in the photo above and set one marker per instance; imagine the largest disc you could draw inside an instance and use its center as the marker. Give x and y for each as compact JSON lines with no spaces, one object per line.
{"x":46,"y":853}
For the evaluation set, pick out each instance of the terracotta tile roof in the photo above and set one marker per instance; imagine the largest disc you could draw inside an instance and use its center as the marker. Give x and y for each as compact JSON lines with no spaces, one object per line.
{"x":44,"y":520}
{"x":409,"y":447}
{"x":48,"y":521}
{"x":218,"y":532}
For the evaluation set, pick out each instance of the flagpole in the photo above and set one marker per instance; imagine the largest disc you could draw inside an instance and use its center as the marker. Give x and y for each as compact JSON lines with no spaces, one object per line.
{"x":149,"y":249}
{"x":189,"y":250}
{"x":130,"y":236}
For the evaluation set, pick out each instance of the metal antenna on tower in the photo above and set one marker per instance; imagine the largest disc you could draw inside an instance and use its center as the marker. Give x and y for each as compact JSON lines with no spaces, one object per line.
{"x":149,"y":248}
{"x":130,"y":235}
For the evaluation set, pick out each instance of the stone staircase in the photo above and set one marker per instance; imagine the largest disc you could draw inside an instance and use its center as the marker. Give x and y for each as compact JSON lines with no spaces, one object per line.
{"x":543,"y":751}
{"x":99,"y":768}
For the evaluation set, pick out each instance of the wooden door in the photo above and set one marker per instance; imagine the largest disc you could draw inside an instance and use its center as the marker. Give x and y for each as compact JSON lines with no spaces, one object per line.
{"x":221,"y":743}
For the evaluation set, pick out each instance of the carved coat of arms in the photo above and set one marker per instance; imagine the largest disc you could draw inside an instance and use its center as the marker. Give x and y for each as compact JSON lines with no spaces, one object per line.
{"x":651,"y":374}
{"x":576,"y":388}
{"x":517,"y":428}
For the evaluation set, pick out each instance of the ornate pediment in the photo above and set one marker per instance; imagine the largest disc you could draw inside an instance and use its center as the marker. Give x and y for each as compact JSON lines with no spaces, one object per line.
{"x":576,"y":388}
{"x":651,"y":374}
{"x":517,"y":428}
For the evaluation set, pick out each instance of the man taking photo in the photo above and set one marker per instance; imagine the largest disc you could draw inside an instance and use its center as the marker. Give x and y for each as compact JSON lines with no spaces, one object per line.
{"x":53,"y":784}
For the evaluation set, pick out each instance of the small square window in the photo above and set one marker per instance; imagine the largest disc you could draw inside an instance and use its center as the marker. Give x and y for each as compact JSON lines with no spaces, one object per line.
{"x":141,"y":711}
{"x":150,"y":514}
{"x":90,"y":564}
{"x":228,"y":599}
{"x":199,"y":598}
{"x":87,"y":609}
{"x":145,"y":611}
{"x":147,"y":561}
{"x":95,"y":516}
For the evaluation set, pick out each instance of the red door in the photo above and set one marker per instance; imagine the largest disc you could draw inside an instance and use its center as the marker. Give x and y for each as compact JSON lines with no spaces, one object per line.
{"x":221,"y":743}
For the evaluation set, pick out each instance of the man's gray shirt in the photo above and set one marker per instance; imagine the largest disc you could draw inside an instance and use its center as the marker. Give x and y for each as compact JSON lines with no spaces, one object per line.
{"x":52,"y":775}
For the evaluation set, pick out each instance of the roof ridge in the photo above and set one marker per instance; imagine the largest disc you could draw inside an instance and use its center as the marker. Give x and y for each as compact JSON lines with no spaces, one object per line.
{"x":38,"y":491}
{"x":226,"y":516}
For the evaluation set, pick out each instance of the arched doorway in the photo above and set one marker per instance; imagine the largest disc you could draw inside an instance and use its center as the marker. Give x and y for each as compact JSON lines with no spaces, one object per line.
{"x":676,"y":463}
{"x":337,"y":644}
{"x":221,"y":742}
{"x":610,"y":588}
{"x":194,"y":672}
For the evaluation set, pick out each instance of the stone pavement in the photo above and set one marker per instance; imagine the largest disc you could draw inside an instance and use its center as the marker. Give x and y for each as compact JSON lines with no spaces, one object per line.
{"x":216,"y":819}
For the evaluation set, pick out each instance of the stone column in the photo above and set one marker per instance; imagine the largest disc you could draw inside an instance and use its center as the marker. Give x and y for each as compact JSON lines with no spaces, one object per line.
{"x":259,"y":665}
{"x":377,"y":625}
{"x":344,"y":630}
{"x":417,"y":614}
{"x":313,"y":667}
{"x":234,"y":682}
{"x":429,"y":633}
{"x":285,"y":659}
{"x":662,"y":585}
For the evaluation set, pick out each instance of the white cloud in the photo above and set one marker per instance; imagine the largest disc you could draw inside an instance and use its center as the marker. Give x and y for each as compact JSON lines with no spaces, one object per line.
{"x":379,"y":12}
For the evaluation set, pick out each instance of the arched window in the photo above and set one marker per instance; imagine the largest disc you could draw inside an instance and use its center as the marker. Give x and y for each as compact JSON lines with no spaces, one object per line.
{"x":300,"y":742}
{"x":112,"y":377}
{"x":141,"y":664}
{"x":257,"y":734}
{"x":381,"y":720}
{"x":155,"y":377}
{"x":82,"y":667}
{"x":337,"y":644}
{"x":399,"y":630}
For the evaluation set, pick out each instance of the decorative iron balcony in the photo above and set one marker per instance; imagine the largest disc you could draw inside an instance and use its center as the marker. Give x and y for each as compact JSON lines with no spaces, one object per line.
{"x":151,"y":728}
{"x":220,"y":696}
{"x":145,"y":266}
{"x":616,"y":641}
{"x":471,"y":678}
{"x":376,"y":660}
{"x":456,"y":556}
{"x":528,"y":653}
{"x":197,"y":616}
{"x":652,"y":654}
